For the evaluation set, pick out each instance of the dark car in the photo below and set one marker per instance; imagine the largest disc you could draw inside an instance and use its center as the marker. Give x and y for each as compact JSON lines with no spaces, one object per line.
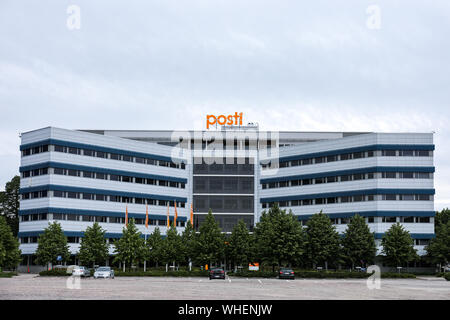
{"x":217,"y":273}
{"x":286,"y":274}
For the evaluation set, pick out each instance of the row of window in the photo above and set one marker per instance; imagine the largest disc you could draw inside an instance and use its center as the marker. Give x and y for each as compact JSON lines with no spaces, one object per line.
{"x":101,"y":154}
{"x":349,"y":156}
{"x":417,"y":242}
{"x":408,"y":219}
{"x":98,"y":197}
{"x":346,"y":199}
{"x":348,"y":177}
{"x":89,"y":218}
{"x":103,"y":176}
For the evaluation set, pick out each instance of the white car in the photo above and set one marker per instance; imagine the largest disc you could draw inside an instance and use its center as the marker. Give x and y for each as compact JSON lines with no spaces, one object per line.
{"x":81,"y":272}
{"x":104,"y":272}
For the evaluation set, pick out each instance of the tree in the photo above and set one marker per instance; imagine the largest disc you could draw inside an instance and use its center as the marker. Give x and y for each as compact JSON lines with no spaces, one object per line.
{"x":94,"y":248}
{"x":442,"y":217}
{"x":323,"y":242}
{"x":9,"y":247}
{"x":240,"y":244}
{"x":279,"y":237}
{"x":172,"y":247}
{"x":10,"y":204}
{"x":188,"y":238}
{"x":209,"y":246}
{"x":51,"y":244}
{"x":155,"y":246}
{"x":358,"y":242}
{"x":438,"y":250}
{"x":130,"y":248}
{"x":398,"y":246}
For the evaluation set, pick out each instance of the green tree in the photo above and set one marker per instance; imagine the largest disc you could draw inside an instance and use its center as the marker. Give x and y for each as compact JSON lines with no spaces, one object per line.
{"x":51,"y":244}
{"x":323,"y":242}
{"x":398,"y":246}
{"x":210,"y":244}
{"x":155,"y":246}
{"x":9,"y":247}
{"x":10,"y":204}
{"x":188,"y":239}
{"x":94,"y":248}
{"x":279,"y":237}
{"x":358,"y":242}
{"x":442,"y":217}
{"x":172,"y":246}
{"x":130,"y":249}
{"x":240,"y":244}
{"x":438,"y":250}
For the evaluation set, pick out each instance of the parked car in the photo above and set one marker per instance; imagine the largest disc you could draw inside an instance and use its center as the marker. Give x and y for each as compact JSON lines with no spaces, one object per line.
{"x":81,"y":272}
{"x":285,"y":273}
{"x":104,"y":272}
{"x":447,"y":268}
{"x":217,"y":273}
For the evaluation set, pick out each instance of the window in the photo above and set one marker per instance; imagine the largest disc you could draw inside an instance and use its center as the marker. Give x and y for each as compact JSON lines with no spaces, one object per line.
{"x":389,"y":197}
{"x":331,"y":158}
{"x":346,"y":156}
{"x":407,"y":197}
{"x":73,"y":150}
{"x":127,"y":158}
{"x":406,"y":153}
{"x":58,"y":193}
{"x":422,"y":153}
{"x":59,"y":149}
{"x":423,"y":197}
{"x":140,"y":160}
{"x":100,"y":176}
{"x":370,"y":219}
{"x":100,"y":197}
{"x":331,"y":179}
{"x":101,"y":154}
{"x":88,"y":196}
{"x":422,"y":175}
{"x":115,"y":156}
{"x":388,"y":175}
{"x":88,"y":174}
{"x":407,"y":175}
{"x":388,"y":153}
{"x":89,"y":153}
{"x":389,"y":219}
{"x":72,"y":173}
{"x":424,"y":219}
{"x":407,"y":219}
{"x":72,"y":195}
{"x":58,"y":171}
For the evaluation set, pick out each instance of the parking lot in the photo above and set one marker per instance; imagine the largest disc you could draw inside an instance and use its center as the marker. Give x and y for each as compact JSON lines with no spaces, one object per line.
{"x":32,"y":287}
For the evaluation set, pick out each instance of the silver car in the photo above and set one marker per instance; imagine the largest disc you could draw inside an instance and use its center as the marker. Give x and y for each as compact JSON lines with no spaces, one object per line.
{"x":104,"y":272}
{"x":81,"y":271}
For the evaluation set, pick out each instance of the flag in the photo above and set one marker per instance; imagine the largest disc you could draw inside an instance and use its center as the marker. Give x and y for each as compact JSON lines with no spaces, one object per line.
{"x":168,"y":223}
{"x":192,"y":216}
{"x":126,"y":217}
{"x":176,"y":215}
{"x":146,"y":216}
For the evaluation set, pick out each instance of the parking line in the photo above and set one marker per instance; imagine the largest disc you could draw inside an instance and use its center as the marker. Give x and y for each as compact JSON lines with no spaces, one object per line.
{"x":259,"y":281}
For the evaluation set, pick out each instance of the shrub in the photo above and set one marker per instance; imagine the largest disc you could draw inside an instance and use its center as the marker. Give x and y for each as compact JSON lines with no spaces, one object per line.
{"x":161,"y":273}
{"x":447,"y":276}
{"x":304,"y":274}
{"x":54,"y":273}
{"x":393,"y":275}
{"x":7,"y":274}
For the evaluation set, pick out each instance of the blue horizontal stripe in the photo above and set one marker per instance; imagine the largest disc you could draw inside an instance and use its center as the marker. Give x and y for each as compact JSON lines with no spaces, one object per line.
{"x":69,"y":234}
{"x":413,"y":235}
{"x":377,"y":213}
{"x":119,"y":235}
{"x":350,"y":171}
{"x":349,"y":193}
{"x":98,"y":148}
{"x":60,"y":165}
{"x":98,"y":213}
{"x":101,"y":191}
{"x":373,"y":147}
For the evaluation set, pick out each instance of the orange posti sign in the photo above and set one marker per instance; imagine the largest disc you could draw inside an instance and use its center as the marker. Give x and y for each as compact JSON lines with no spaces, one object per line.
{"x":222,"y":119}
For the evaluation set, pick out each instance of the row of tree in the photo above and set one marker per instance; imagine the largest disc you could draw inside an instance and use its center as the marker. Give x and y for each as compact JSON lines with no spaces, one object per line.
{"x":278,"y":239}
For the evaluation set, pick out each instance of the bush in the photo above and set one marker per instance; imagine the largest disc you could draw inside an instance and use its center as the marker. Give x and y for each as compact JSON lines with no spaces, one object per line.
{"x":54,"y":273}
{"x":393,"y":275}
{"x":7,"y":274}
{"x":447,"y":276}
{"x":161,"y":273}
{"x":304,"y":274}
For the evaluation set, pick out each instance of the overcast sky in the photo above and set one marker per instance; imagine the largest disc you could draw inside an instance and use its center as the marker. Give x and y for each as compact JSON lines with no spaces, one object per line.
{"x":289,"y":65}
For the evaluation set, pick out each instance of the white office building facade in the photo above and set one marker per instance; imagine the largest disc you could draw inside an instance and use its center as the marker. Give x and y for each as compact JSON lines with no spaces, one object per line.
{"x":78,"y":177}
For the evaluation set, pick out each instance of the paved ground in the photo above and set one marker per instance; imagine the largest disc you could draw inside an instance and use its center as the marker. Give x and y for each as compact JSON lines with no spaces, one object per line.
{"x":32,"y":287}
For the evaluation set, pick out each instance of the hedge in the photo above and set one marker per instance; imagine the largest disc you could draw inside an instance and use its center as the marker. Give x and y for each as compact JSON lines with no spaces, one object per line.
{"x":304,"y":274}
{"x":54,"y":273}
{"x":7,"y":274}
{"x":161,"y":273}
{"x":447,"y":276}
{"x":393,"y":275}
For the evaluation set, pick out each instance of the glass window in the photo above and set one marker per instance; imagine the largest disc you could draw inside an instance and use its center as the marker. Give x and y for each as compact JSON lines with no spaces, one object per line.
{"x":388,"y":153}
{"x":59,"y":149}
